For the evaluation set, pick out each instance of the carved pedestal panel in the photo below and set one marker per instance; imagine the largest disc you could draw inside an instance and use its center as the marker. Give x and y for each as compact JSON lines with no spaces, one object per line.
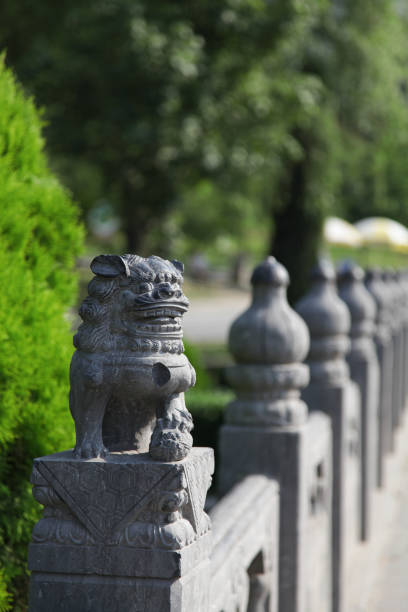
{"x":319,"y":575}
{"x":121,"y":533}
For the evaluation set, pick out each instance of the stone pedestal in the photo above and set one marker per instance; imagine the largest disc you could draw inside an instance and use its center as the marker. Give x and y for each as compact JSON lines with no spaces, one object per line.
{"x":121,"y":533}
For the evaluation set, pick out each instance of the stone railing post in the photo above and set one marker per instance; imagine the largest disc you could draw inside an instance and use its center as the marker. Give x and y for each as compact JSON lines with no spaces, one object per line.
{"x":399,"y":317}
{"x":124,"y":528}
{"x":404,"y":280}
{"x":330,"y":390}
{"x":383,"y":343}
{"x":266,"y":425}
{"x":402,"y":318}
{"x":362,"y":360}
{"x":394,"y":325}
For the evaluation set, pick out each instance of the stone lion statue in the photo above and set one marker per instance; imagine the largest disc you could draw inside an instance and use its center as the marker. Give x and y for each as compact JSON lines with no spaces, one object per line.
{"x":128,"y":373}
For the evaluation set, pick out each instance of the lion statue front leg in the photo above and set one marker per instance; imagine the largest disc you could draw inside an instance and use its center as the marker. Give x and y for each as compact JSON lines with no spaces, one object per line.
{"x":171,"y":439}
{"x":87,"y":401}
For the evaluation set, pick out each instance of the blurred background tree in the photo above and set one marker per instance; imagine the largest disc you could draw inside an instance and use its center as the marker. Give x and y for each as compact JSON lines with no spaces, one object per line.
{"x":177,"y":116}
{"x":221,"y":127}
{"x":350,"y":161}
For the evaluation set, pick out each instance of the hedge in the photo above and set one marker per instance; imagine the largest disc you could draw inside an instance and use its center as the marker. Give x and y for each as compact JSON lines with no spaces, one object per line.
{"x":40,"y":236}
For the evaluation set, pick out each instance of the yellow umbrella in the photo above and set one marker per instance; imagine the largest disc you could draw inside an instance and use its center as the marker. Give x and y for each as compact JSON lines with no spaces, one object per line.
{"x":339,"y":232}
{"x":383,"y":231}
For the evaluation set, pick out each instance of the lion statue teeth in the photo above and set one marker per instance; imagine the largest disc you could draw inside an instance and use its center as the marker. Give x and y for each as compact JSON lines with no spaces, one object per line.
{"x":128,"y":373}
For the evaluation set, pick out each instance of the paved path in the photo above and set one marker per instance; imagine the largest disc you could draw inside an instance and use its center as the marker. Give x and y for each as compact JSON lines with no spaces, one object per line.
{"x":209,"y":319}
{"x":378,"y":581}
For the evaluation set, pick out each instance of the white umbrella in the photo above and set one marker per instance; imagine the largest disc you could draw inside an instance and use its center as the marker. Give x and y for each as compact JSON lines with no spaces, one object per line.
{"x":340,"y":232}
{"x":380,"y":230}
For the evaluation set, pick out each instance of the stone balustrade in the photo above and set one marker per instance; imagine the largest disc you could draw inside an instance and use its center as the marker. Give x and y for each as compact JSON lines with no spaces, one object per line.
{"x":244,"y":563}
{"x":319,"y":394}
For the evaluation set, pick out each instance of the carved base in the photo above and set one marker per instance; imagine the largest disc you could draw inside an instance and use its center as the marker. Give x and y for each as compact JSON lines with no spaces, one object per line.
{"x":115,"y":526}
{"x":79,"y":593}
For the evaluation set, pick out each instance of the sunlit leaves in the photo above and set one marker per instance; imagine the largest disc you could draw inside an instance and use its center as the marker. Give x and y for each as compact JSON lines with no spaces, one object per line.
{"x":39,"y":239}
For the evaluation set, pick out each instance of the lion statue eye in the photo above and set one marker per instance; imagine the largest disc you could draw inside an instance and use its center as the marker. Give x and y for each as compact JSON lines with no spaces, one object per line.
{"x":145,"y":287}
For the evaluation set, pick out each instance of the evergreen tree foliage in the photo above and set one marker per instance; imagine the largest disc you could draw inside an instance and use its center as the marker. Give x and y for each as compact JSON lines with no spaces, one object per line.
{"x":39,"y":239}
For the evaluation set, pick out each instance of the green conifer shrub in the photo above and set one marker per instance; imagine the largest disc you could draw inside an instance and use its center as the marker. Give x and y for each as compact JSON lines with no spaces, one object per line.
{"x":39,"y":239}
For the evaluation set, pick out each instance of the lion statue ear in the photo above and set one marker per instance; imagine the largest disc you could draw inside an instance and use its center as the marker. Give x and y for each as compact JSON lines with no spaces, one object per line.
{"x":178,"y":265}
{"x":110,"y":265}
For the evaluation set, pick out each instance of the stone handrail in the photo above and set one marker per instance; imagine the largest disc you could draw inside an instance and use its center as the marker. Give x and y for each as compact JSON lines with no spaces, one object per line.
{"x":244,"y":554}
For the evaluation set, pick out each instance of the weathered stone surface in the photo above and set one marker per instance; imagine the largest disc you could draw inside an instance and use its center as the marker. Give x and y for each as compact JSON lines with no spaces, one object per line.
{"x":129,"y":374}
{"x":393,"y":318}
{"x":319,"y":592}
{"x":125,"y":520}
{"x":363,"y":364}
{"x":383,"y":343}
{"x":93,"y":593}
{"x":268,"y":342}
{"x":124,"y":527}
{"x":330,"y":390}
{"x":401,"y":315}
{"x":266,"y":429}
{"x":244,"y":559}
{"x":404,"y":309}
{"x":328,"y":321}
{"x":281,"y":454}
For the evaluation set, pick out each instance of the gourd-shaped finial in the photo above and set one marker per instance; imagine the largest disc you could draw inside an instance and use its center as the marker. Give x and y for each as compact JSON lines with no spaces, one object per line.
{"x":360,"y":304}
{"x":328,"y":320}
{"x":376,"y":287}
{"x":268,"y":342}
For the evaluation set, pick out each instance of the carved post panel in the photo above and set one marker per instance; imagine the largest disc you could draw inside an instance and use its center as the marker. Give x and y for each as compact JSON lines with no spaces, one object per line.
{"x":266,"y":425}
{"x":362,"y":360}
{"x":124,"y":527}
{"x":332,"y":391}
{"x":383,"y":343}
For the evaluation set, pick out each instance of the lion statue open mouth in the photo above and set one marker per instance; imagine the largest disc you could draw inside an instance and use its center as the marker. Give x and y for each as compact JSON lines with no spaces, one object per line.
{"x":129,"y":373}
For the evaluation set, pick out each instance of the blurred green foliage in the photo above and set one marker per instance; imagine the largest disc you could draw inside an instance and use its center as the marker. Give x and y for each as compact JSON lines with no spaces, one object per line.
{"x":351,"y":157}
{"x":207,"y":408}
{"x":369,"y":256}
{"x":221,"y":127}
{"x":39,"y":239}
{"x":162,"y":107}
{"x":207,"y":400}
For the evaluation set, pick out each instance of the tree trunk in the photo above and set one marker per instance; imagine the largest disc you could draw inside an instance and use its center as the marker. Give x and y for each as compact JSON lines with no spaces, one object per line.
{"x":297,"y":232}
